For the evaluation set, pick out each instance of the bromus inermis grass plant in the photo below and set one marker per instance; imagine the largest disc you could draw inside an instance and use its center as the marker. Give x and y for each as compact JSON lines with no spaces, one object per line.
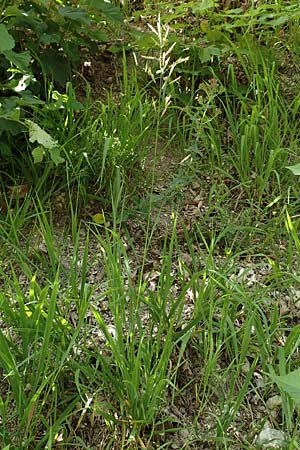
{"x":259,"y":133}
{"x":114,"y":136}
{"x":134,"y":365}
{"x":237,"y":334}
{"x":36,"y":344}
{"x":35,"y":356}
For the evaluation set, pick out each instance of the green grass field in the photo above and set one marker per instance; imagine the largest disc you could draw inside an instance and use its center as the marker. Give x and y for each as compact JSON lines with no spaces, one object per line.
{"x":149,"y":269}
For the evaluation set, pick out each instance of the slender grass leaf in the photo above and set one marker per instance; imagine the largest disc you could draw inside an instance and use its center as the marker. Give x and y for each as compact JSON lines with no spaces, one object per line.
{"x":7,"y":361}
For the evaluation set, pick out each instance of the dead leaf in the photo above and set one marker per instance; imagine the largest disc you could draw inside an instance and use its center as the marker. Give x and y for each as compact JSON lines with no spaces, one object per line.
{"x":18,"y":191}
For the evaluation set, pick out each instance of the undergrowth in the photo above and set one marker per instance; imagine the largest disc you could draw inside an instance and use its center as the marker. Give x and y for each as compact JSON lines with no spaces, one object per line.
{"x":147,"y":304}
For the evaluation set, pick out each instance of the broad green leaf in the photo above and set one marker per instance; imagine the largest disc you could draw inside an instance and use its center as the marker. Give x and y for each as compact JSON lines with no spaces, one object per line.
{"x":10,"y":126}
{"x":55,"y":66}
{"x":38,"y":154}
{"x":142,"y":39}
{"x":55,"y":156}
{"x":20,"y":60}
{"x":71,"y":50}
{"x":37,"y":134}
{"x":28,"y":99}
{"x":50,"y":38}
{"x":206,"y":53}
{"x":279,"y":21}
{"x":98,"y":35}
{"x":6,"y":40}
{"x":13,"y":11}
{"x":111,"y":11}
{"x":12,"y":113}
{"x":5,"y":150}
{"x":295,"y":169}
{"x":31,"y":21}
{"x":203,"y":6}
{"x":77,"y":14}
{"x":290,"y":384}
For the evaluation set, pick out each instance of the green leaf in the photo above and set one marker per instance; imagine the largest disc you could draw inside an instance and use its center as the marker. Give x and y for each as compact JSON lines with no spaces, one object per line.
{"x":55,"y":156}
{"x":98,"y":218}
{"x":55,"y":66}
{"x":50,"y":38}
{"x":76,"y":14}
{"x":20,"y":60}
{"x":10,"y":126}
{"x":12,"y":11}
{"x":295,"y":169}
{"x":207,"y":53}
{"x":111,"y":11}
{"x":6,"y":40}
{"x":290,"y":384}
{"x":36,"y":134}
{"x":279,"y":21}
{"x":10,"y":111}
{"x":142,"y":39}
{"x":97,"y":35}
{"x":5,"y":150}
{"x":203,"y":6}
{"x":38,"y":154}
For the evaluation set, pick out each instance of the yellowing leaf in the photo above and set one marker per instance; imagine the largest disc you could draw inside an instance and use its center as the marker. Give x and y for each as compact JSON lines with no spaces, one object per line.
{"x":98,"y":218}
{"x":27,"y":311}
{"x":204,"y":26}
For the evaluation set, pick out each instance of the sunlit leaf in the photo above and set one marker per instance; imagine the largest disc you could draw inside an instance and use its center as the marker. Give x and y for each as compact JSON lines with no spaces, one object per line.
{"x":55,"y":156}
{"x":13,"y":10}
{"x":279,"y":20}
{"x":295,"y":169}
{"x":290,"y":384}
{"x":37,"y":134}
{"x":202,"y":5}
{"x":98,"y":218}
{"x":38,"y":154}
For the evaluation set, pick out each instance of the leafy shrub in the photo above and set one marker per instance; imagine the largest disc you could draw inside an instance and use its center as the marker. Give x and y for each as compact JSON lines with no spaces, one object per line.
{"x":40,"y":42}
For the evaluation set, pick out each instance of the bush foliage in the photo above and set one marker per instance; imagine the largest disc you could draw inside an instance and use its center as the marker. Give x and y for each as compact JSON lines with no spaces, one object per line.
{"x":40,"y":47}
